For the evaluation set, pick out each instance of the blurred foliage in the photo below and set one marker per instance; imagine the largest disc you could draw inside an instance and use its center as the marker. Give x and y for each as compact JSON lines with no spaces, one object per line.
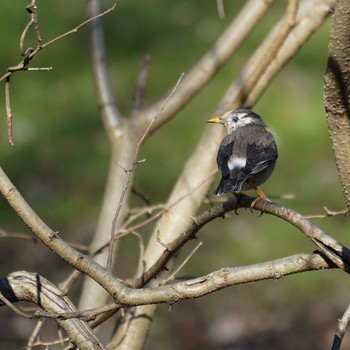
{"x":61,"y":156}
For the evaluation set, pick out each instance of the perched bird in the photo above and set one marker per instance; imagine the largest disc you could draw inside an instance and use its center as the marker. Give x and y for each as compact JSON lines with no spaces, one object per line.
{"x":247,"y":155}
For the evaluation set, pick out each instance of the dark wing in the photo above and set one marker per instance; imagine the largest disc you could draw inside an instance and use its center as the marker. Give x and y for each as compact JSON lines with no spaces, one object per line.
{"x":224,"y":154}
{"x":260,"y":157}
{"x":227,"y":183}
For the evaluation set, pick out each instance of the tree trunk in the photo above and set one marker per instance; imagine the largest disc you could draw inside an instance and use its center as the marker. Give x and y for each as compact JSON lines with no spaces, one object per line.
{"x":336,"y":95}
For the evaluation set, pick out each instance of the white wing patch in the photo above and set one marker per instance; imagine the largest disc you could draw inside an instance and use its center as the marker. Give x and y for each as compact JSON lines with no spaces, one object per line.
{"x":236,"y":163}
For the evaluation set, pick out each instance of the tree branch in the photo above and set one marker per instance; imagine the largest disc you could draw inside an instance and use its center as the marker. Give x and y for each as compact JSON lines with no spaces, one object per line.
{"x":335,"y":252}
{"x":24,"y":286}
{"x":210,"y":63}
{"x":121,"y":292}
{"x":202,"y":160}
{"x":103,"y":87}
{"x":141,"y":83}
{"x":302,"y":29}
{"x":341,"y":329}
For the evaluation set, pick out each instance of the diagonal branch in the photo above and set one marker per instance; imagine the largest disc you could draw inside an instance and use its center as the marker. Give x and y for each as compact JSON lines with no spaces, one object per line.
{"x":23,"y":286}
{"x":126,"y":295}
{"x":341,"y":329}
{"x":24,"y":63}
{"x":300,"y":28}
{"x":202,"y":159}
{"x":103,"y":87}
{"x":333,"y":250}
{"x":129,"y":172}
{"x":210,"y":63}
{"x":23,"y":283}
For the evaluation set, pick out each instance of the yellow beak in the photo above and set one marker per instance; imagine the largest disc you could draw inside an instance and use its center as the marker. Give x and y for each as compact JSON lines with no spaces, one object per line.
{"x":215,"y":120}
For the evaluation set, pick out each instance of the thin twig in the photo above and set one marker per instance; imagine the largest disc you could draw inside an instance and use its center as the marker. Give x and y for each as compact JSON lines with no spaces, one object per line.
{"x":15,"y":308}
{"x":48,"y":344}
{"x":69,"y":281}
{"x":176,"y":271}
{"x":141,"y":247}
{"x":329,"y":213}
{"x":135,"y":214}
{"x":35,"y":334}
{"x":31,"y":9}
{"x":141,"y":196}
{"x":341,"y":328}
{"x":221,"y":9}
{"x":77,"y":28}
{"x":30,"y":53}
{"x":8,"y":111}
{"x":23,"y":64}
{"x":141,"y":83}
{"x":24,"y":236}
{"x":129,"y":172}
{"x":126,"y":230}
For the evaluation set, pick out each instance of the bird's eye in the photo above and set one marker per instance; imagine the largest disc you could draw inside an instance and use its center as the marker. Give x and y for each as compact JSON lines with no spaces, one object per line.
{"x":235,"y":119}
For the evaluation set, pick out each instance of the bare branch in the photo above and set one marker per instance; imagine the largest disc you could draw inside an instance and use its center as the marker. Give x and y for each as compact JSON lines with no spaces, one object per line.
{"x":196,"y":168}
{"x":34,"y":336}
{"x":34,"y":288}
{"x":130,"y":171}
{"x":77,"y":28}
{"x":329,"y":213}
{"x":24,"y":63}
{"x":31,"y":9}
{"x":18,"y":311}
{"x":8,"y":110}
{"x":178,"y":269}
{"x":30,"y":53}
{"x":341,"y":329}
{"x":331,"y":248}
{"x":103,"y":86}
{"x":193,"y":288}
{"x":202,"y":159}
{"x":221,"y":8}
{"x":141,"y":83}
{"x":269,"y":55}
{"x":210,"y":63}
{"x":24,"y":236}
{"x":304,"y":26}
{"x":129,"y":296}
{"x":335,"y":251}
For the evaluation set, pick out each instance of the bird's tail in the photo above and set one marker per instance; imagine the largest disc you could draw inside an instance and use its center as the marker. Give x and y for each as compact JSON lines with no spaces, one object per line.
{"x":220,"y":189}
{"x":227,"y":185}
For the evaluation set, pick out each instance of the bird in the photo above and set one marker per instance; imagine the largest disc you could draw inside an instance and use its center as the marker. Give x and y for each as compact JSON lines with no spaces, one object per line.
{"x":247,"y":155}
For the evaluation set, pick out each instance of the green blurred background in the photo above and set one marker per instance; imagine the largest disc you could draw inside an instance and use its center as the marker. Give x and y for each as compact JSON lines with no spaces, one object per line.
{"x":61,"y":155}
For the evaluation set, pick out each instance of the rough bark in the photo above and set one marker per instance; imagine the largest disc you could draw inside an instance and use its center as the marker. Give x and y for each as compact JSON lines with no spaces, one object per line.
{"x":336,"y":94}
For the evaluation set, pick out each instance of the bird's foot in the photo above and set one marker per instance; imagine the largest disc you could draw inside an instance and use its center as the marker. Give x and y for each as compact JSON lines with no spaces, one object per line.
{"x":238,"y":197}
{"x":261,"y":196}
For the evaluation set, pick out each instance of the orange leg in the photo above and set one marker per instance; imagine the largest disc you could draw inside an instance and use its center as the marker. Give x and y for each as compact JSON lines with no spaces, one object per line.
{"x":261,"y":195}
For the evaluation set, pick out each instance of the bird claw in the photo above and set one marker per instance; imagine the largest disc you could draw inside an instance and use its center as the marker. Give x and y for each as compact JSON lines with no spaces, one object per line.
{"x":252,"y":205}
{"x":238,"y":197}
{"x":261,"y":196}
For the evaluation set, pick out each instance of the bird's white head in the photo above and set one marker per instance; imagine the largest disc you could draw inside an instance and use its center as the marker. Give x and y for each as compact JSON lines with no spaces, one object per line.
{"x":238,"y":118}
